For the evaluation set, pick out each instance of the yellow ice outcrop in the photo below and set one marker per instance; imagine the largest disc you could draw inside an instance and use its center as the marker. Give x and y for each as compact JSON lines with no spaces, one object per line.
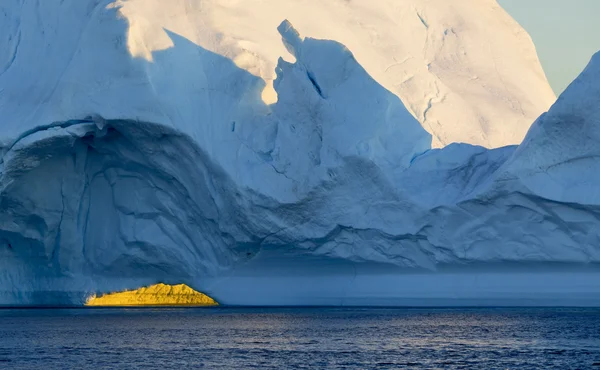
{"x":155,"y":295}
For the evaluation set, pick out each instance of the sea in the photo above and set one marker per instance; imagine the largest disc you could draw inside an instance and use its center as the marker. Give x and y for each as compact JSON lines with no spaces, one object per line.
{"x":300,"y":338}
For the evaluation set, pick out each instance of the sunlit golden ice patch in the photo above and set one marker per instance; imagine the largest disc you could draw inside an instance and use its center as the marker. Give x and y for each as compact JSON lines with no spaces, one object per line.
{"x":155,"y":295}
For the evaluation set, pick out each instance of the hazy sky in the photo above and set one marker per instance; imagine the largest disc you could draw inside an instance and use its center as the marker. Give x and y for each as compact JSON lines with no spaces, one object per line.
{"x":566,"y":34}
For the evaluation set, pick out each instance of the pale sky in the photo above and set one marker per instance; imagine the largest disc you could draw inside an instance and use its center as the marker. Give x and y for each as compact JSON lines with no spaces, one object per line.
{"x":566,"y":34}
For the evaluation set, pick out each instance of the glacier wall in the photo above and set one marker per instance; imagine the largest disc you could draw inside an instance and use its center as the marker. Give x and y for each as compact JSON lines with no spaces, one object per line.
{"x":121,"y":172}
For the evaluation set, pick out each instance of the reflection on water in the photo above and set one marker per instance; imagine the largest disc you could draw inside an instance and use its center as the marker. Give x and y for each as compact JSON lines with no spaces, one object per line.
{"x":155,"y":295}
{"x":228,"y":338}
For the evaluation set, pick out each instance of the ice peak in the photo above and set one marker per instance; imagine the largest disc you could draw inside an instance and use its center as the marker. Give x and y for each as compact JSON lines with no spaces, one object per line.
{"x":291,"y":37}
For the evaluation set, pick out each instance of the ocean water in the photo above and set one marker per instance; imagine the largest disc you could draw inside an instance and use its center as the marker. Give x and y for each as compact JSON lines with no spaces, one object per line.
{"x":300,"y":338}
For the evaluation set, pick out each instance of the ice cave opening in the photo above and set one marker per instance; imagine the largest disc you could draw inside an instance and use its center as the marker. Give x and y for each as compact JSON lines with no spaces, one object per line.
{"x":107,"y":206}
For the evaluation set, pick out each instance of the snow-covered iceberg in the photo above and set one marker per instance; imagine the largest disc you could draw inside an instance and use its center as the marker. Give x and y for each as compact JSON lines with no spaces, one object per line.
{"x":119,"y":172}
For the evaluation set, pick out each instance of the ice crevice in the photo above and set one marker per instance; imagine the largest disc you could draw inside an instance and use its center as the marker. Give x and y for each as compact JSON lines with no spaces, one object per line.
{"x":13,"y":53}
{"x":422,"y":20}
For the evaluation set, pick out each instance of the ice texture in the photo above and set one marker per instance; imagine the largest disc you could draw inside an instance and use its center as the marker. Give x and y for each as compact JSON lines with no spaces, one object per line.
{"x":131,"y":155}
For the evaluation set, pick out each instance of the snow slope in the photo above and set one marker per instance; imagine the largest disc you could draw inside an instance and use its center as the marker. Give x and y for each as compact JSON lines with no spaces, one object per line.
{"x":133,"y":155}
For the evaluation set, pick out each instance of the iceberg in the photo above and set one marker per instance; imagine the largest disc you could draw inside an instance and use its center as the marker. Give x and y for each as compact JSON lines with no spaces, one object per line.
{"x":132,"y":156}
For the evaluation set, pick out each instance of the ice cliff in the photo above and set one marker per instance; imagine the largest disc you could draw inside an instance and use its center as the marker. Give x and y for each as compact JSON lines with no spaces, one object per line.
{"x":131,"y":155}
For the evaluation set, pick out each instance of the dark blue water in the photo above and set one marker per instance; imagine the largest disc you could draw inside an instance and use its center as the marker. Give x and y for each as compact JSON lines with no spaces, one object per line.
{"x":223,"y":338}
